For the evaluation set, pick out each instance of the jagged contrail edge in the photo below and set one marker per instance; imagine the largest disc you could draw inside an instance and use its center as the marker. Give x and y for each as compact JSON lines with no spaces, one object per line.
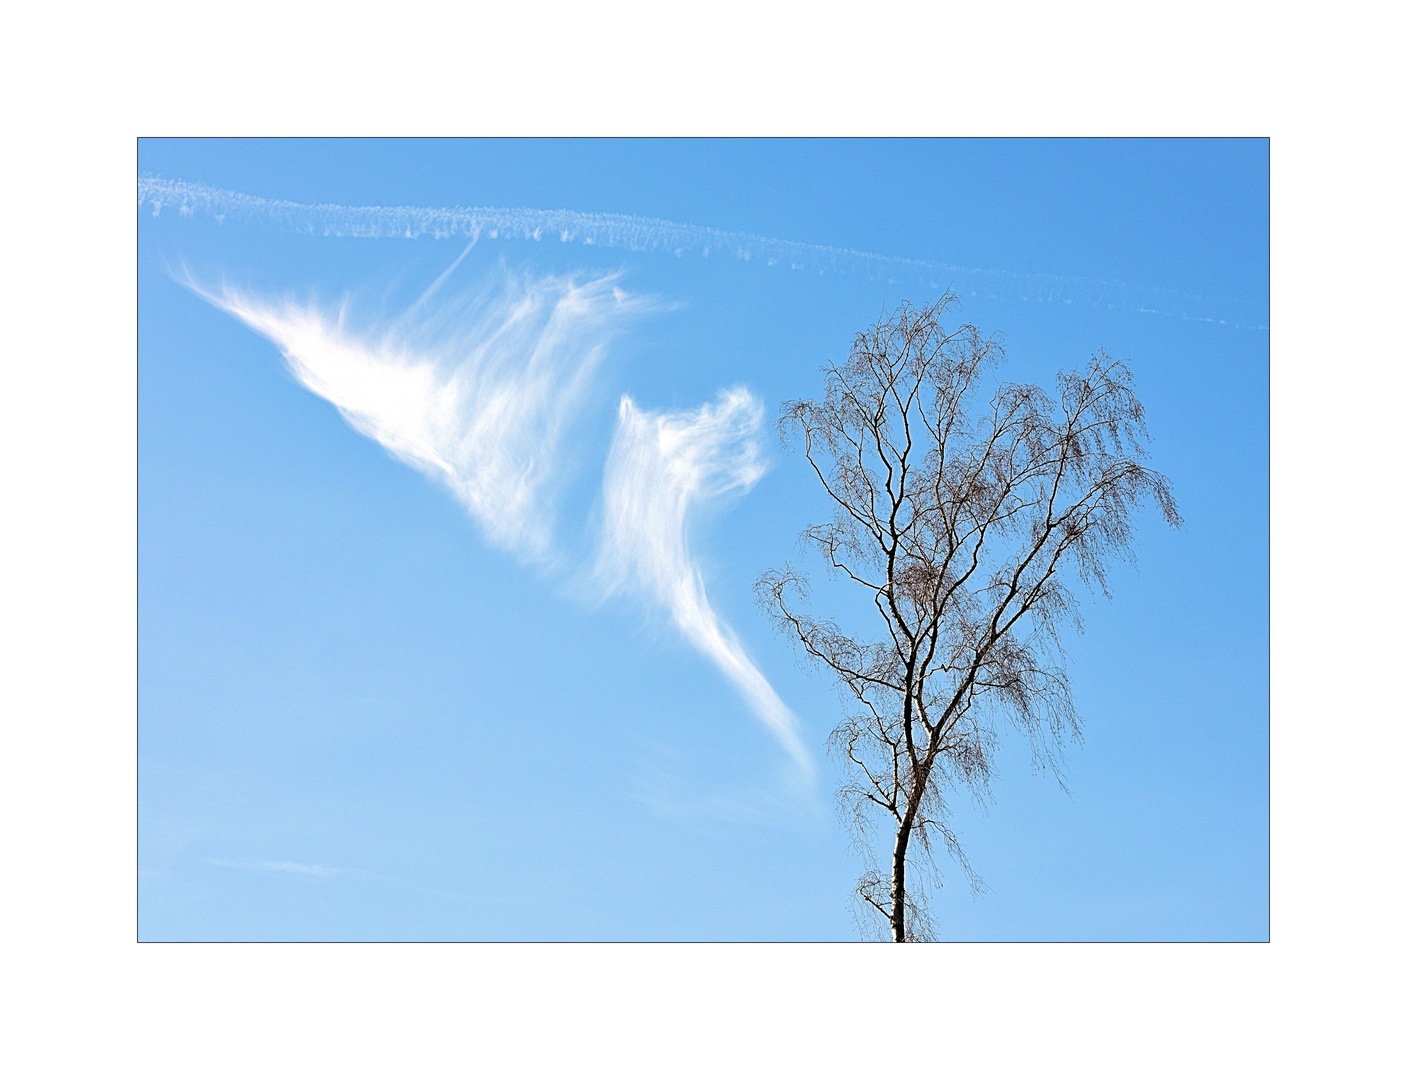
{"x":655,"y":235}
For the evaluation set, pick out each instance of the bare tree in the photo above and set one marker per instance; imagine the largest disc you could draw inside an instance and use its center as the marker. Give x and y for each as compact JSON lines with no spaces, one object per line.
{"x":961,"y":520}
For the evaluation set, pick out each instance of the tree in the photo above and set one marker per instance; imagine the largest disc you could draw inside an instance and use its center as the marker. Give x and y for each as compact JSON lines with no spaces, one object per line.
{"x":961,"y":521}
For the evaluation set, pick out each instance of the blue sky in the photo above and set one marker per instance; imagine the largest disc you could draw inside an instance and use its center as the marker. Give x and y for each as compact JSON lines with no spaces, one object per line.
{"x":387,"y":692}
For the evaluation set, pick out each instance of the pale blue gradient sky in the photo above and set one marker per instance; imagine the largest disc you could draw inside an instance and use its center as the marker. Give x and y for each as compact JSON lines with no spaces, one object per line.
{"x":359,"y":718}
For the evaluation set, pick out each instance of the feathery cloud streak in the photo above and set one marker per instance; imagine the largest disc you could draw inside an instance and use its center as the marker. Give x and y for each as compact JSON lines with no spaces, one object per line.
{"x":659,"y":465}
{"x":644,"y":234}
{"x":277,"y":867}
{"x":475,"y":393}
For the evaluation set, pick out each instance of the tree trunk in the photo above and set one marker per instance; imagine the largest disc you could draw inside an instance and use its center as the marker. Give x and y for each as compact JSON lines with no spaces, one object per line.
{"x":896,"y":883}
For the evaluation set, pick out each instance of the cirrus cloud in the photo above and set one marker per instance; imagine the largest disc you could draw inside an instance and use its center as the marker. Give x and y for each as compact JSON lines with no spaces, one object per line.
{"x":476,"y":392}
{"x":662,"y":464}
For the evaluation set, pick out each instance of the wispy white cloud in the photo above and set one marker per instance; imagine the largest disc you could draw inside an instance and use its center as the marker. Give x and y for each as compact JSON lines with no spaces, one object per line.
{"x":645,"y":234}
{"x":264,"y":865}
{"x":475,"y":392}
{"x":660,"y":465}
